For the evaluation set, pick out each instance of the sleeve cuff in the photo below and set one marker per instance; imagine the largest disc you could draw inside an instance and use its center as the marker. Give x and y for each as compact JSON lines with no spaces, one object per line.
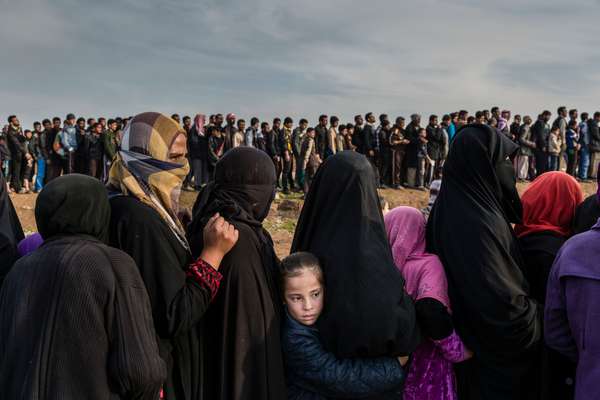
{"x":205,"y":275}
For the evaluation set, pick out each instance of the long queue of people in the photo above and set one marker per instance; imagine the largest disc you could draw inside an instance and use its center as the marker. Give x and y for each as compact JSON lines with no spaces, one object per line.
{"x":402,"y":155}
{"x":494,"y":296}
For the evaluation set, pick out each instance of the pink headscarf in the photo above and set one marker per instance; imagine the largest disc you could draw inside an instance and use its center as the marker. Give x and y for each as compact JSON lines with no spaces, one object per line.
{"x":422,"y":271}
{"x":199,"y":120}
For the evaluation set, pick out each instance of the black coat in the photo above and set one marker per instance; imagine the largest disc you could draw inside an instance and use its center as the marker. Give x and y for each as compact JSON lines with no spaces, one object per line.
{"x":469,"y":229}
{"x":11,"y":232}
{"x":594,"y":133}
{"x":242,"y":342}
{"x":435,"y":144}
{"x":75,"y":318}
{"x":540,"y":134}
{"x":178,"y":302}
{"x":197,"y":145}
{"x":586,"y":214}
{"x":341,"y":223}
{"x":313,"y":373}
{"x":412,"y":149}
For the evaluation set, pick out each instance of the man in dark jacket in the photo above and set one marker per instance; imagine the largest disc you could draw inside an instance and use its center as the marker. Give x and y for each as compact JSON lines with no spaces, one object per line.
{"x":17,"y":150}
{"x":561,"y":123}
{"x":321,"y":136}
{"x":594,"y":147}
{"x":297,"y":138}
{"x":370,"y":140}
{"x":412,"y":149}
{"x":525,"y":165}
{"x":540,"y":134}
{"x":435,"y":146}
{"x":357,"y":136}
{"x":272,"y":146}
{"x":54,"y":163}
{"x":198,"y":152}
{"x":41,"y":153}
{"x":584,"y":148}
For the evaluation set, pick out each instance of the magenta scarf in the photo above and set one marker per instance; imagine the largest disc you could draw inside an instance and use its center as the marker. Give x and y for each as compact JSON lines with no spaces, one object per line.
{"x":422,"y":271}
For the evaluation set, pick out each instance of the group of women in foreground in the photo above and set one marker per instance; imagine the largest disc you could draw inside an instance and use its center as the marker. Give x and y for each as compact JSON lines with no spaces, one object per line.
{"x":129,"y":298}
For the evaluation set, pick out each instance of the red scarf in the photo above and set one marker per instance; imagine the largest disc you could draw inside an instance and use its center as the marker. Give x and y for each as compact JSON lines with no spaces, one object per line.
{"x":549,"y":204}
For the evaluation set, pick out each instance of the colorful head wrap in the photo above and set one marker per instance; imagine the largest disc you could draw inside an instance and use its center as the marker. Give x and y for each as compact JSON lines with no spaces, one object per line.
{"x":142,"y":168}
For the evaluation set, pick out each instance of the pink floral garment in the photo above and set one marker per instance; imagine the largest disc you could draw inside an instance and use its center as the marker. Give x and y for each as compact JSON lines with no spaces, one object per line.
{"x":431,"y":374}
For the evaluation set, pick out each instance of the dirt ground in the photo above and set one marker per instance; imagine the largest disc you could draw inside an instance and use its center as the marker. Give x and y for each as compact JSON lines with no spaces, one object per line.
{"x":281,"y":221}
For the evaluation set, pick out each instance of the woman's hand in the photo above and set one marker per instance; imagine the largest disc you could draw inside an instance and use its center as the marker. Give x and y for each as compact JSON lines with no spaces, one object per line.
{"x":468,"y":354}
{"x":219,"y":238}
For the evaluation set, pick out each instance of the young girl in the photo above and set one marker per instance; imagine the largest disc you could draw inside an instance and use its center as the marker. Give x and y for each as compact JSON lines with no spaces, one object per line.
{"x":555,"y":144}
{"x":312,"y":372}
{"x":431,"y":375}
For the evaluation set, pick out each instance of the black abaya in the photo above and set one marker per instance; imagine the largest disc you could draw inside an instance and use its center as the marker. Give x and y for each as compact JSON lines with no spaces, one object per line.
{"x":557,"y":372}
{"x":469,"y":229}
{"x":243,"y":355}
{"x":11,"y":232}
{"x":367,"y":312}
{"x":178,"y":302}
{"x":75,"y":318}
{"x":586,"y":214}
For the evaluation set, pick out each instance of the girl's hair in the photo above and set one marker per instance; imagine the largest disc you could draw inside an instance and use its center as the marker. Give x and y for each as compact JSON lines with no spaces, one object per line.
{"x":294,"y":264}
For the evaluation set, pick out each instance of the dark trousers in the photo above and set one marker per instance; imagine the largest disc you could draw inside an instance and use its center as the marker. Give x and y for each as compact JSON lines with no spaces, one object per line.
{"x":54,"y":169}
{"x":571,"y":161}
{"x":309,"y":175}
{"x":69,"y":163}
{"x":286,"y":175}
{"x":278,"y":168}
{"x":374,"y":161}
{"x":200,"y":172}
{"x":95,"y":168}
{"x":299,"y":172}
{"x":397,"y":162}
{"x":15,"y":172}
{"x":541,"y":162}
{"x":385,"y":167}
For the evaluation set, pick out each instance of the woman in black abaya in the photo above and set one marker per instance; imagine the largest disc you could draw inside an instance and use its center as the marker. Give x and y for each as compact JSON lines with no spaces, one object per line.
{"x":367,"y":312}
{"x":243,"y":358}
{"x":470,"y":230}
{"x":11,"y":232}
{"x":75,"y":318}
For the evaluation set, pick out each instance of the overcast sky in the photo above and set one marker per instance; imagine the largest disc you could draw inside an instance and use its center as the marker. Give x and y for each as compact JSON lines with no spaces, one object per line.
{"x":299,"y":58}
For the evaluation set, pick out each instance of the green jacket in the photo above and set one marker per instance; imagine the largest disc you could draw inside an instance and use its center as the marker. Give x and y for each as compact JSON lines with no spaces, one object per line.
{"x":109,"y":141}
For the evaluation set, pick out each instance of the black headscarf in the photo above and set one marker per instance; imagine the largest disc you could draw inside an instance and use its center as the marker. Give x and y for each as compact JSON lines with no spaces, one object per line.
{"x":242,"y":191}
{"x":73,"y":204}
{"x":469,"y":229}
{"x":367,"y":312}
{"x":11,"y":232}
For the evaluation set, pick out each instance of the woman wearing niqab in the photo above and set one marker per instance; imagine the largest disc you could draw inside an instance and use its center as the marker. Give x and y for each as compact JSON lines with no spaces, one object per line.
{"x":470,"y":230}
{"x":367,"y":312}
{"x":75,"y":319}
{"x":145,"y":183}
{"x":11,"y":232}
{"x":243,"y":356}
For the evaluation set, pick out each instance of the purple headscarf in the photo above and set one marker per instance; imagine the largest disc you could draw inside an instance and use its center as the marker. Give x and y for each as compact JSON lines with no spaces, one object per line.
{"x":29,"y":244}
{"x":422,"y":271}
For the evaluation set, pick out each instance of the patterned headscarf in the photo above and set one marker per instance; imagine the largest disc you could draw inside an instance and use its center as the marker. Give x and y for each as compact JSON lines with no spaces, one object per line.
{"x":142,"y":168}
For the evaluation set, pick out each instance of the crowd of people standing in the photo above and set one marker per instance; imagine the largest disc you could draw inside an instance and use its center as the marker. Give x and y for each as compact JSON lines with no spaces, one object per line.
{"x":494,"y":296}
{"x":403,"y":154}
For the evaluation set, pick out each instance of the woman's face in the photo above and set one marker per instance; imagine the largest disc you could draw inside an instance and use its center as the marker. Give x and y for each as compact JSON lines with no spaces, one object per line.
{"x":304,"y":297}
{"x":178,"y":149}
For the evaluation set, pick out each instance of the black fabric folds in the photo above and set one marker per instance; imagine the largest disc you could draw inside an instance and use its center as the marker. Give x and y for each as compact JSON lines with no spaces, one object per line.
{"x":73,"y":206}
{"x":11,"y":232}
{"x":75,"y":318}
{"x":367,"y":312}
{"x":242,"y":342}
{"x":469,"y":229}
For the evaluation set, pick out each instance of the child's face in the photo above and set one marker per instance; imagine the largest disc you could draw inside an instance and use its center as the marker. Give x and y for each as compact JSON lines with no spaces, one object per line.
{"x":304,"y":297}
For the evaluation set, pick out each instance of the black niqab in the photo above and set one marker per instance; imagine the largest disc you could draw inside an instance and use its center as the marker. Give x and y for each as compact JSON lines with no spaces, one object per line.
{"x":367,"y":312}
{"x":469,"y":229}
{"x":11,"y":232}
{"x":242,"y":340}
{"x":73,"y":205}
